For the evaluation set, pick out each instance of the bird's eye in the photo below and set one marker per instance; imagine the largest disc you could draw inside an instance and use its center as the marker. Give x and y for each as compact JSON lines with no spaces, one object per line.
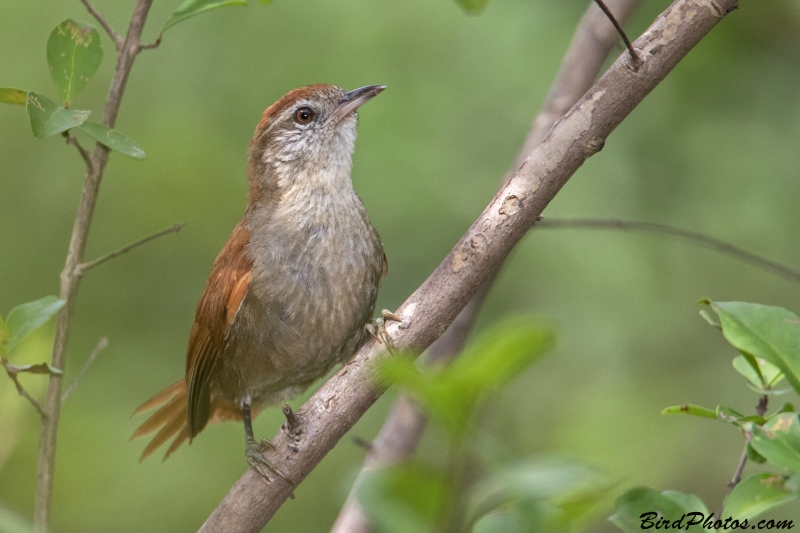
{"x":304,"y":115}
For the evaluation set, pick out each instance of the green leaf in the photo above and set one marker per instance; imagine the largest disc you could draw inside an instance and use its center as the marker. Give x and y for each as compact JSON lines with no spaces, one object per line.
{"x":779,"y":441}
{"x":41,"y":368}
{"x":568,"y":491}
{"x":705,"y":314}
{"x":472,"y":7}
{"x":746,"y":365}
{"x":754,"y":455}
{"x":114,"y":139}
{"x":27,"y":317}
{"x":13,"y":96}
{"x":49,"y":119}
{"x":190,"y":8}
{"x":641,"y":507}
{"x":690,"y":409}
{"x":769,"y":333}
{"x":757,"y":494}
{"x":73,"y":55}
{"x":497,"y":356}
{"x":406,"y":498}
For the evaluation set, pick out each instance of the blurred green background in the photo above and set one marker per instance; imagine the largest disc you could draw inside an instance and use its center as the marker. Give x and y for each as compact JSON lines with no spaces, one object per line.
{"x":715,"y":149}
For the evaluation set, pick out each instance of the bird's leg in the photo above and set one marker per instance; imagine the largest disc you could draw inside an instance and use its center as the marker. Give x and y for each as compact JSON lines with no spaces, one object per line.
{"x":377,"y":328}
{"x":253,"y":450}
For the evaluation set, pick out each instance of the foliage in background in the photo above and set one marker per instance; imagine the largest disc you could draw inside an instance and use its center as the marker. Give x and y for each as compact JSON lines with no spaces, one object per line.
{"x":482,"y":487}
{"x":768,"y":340}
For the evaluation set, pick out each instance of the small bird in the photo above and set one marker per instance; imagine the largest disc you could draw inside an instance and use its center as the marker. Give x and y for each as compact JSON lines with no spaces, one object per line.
{"x":292,"y":290}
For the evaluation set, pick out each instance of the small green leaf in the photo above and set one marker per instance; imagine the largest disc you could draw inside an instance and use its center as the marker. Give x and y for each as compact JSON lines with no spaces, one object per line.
{"x":406,"y":498}
{"x":114,"y":139}
{"x":190,"y":8}
{"x":769,"y":333}
{"x":496,"y":357}
{"x":41,"y":368}
{"x":708,"y":318}
{"x":641,"y":507}
{"x":568,"y":490}
{"x":472,"y":7}
{"x":73,"y":54}
{"x":49,"y":119}
{"x":779,"y":441}
{"x":27,"y":317}
{"x":690,"y":409}
{"x":754,"y":455}
{"x":757,"y":494}
{"x":746,"y":365}
{"x":13,"y":96}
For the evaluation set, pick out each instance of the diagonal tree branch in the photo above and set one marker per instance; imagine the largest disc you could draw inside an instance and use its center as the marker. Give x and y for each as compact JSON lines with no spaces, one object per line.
{"x":594,"y":39}
{"x":427,"y":313}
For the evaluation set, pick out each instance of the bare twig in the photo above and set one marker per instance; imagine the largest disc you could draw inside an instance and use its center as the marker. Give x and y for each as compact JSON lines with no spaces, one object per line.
{"x":695,"y":238}
{"x":634,"y":56}
{"x":87,"y":159}
{"x":21,"y":390}
{"x":102,"y":344}
{"x":403,"y":429}
{"x":71,"y":276}
{"x":83,"y":267}
{"x":115,"y":37}
{"x":344,"y":398}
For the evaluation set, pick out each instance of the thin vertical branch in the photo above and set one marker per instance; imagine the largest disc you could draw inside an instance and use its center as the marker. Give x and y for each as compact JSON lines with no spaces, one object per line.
{"x":70,"y":276}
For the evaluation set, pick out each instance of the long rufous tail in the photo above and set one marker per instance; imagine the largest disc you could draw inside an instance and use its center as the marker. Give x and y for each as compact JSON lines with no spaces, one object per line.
{"x":171,"y":418}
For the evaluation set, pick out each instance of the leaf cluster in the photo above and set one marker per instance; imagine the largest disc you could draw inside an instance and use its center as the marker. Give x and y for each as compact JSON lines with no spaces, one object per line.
{"x":768,"y":341}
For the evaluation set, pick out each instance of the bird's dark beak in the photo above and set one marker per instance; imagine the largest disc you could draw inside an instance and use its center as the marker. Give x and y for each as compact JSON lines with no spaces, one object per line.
{"x":354,"y":99}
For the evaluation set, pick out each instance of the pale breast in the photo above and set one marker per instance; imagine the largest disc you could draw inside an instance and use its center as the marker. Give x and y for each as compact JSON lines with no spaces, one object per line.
{"x":313,"y":289}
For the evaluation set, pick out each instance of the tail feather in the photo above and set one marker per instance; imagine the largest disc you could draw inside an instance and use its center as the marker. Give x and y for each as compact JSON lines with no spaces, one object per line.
{"x":171,"y":417}
{"x":177,"y":388}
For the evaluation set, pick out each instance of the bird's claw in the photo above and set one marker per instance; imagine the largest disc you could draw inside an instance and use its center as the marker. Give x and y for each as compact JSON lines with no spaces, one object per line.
{"x":377,"y":328}
{"x":256,"y":460}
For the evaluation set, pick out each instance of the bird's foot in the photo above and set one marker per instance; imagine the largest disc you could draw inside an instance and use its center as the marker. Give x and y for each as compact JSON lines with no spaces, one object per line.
{"x":255,"y":458}
{"x":377,"y":328}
